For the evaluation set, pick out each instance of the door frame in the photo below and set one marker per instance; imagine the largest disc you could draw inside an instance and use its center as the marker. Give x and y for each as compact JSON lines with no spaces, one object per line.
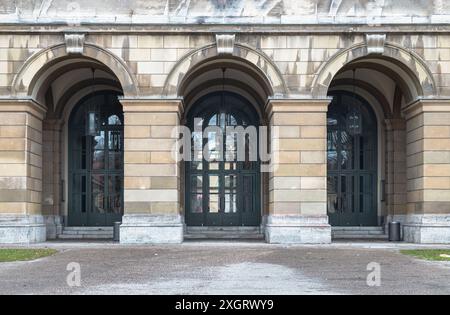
{"x":372,"y":115}
{"x":204,"y":108}
{"x":108,"y":97}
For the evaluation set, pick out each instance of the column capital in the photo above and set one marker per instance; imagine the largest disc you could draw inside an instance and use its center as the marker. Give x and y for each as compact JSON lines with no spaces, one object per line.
{"x":426,"y":105}
{"x":296,"y":105}
{"x":153,"y":105}
{"x":395,"y":124}
{"x":23,"y":105}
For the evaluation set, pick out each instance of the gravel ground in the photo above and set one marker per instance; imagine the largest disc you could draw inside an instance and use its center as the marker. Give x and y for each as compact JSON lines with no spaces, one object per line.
{"x":225,"y":268}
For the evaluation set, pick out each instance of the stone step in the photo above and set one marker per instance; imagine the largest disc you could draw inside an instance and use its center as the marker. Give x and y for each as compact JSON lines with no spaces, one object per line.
{"x":360,"y":237}
{"x":84,"y":236}
{"x":224,"y":236}
{"x":87,"y":232}
{"x":88,"y":228}
{"x":357,"y":228}
{"x":225,"y":232}
{"x":357,"y":232}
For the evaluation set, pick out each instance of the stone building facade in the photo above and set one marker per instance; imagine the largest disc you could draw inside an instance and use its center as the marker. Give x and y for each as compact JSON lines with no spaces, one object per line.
{"x":359,"y":93}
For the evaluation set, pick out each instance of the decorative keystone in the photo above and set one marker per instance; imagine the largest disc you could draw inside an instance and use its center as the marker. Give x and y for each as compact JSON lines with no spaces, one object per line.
{"x":74,"y":43}
{"x":375,"y":43}
{"x":225,"y":43}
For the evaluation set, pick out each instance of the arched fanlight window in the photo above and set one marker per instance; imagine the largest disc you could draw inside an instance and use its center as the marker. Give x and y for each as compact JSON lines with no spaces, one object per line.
{"x":93,"y":119}
{"x":354,"y":117}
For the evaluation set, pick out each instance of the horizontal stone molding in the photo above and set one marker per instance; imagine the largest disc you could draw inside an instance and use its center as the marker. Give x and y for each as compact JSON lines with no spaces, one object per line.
{"x":152,"y":105}
{"x":426,"y":105}
{"x":296,"y":105}
{"x":21,"y":105}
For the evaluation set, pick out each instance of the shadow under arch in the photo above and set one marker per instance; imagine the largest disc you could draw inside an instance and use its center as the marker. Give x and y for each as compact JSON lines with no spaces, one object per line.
{"x":261,"y":63}
{"x":27,"y":81}
{"x":416,"y":76}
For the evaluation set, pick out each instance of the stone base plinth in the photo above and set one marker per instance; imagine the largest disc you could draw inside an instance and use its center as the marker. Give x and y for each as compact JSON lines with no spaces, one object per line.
{"x":22,"y":229}
{"x":54,"y":226}
{"x":298,"y":230}
{"x":427,"y":229}
{"x":151,"y":229}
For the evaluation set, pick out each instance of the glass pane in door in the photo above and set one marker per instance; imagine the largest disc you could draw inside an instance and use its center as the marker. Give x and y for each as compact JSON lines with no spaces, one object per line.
{"x":332,"y":197}
{"x":214,"y":198}
{"x":196,"y":194}
{"x":230,"y":193}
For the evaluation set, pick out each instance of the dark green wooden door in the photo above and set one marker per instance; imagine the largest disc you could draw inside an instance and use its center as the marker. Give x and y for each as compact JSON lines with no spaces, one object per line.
{"x":221,"y":191}
{"x":96,"y":161}
{"x":352,"y":165}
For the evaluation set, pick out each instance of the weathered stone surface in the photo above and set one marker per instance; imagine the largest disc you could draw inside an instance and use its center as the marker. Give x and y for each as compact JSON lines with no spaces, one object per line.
{"x":151,"y":229}
{"x":241,"y":11}
{"x":427,"y":229}
{"x":298,"y":230}
{"x":23,"y":229}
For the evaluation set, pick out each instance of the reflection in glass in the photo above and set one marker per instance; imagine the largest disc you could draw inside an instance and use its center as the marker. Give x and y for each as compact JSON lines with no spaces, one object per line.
{"x":214,"y":183}
{"x":98,"y":203}
{"x":115,"y":204}
{"x":115,"y":160}
{"x":114,"y":120}
{"x":98,"y":160}
{"x":196,"y":203}
{"x":196,"y":183}
{"x":214,"y":203}
{"x":114,"y":140}
{"x":214,"y":146}
{"x":230,"y":193}
{"x":332,"y":160}
{"x":332,"y":203}
{"x":98,"y":184}
{"x":332,"y":198}
{"x":99,"y":141}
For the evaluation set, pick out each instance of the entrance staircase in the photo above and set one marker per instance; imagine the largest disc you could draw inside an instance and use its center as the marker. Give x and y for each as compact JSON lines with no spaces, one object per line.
{"x":87,"y":233}
{"x":358,"y":232}
{"x":223,"y":232}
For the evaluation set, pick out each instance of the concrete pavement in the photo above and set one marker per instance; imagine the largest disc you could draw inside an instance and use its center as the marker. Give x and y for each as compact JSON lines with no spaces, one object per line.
{"x":226,"y":268}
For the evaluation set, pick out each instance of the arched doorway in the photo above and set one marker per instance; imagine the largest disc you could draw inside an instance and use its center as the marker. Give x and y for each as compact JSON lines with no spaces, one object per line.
{"x":96,"y":161}
{"x":351,"y":162}
{"x":222,"y":190}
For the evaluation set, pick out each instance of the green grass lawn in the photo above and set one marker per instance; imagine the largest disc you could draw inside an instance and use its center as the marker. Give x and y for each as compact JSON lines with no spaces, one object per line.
{"x":21,"y":254}
{"x":428,"y":254}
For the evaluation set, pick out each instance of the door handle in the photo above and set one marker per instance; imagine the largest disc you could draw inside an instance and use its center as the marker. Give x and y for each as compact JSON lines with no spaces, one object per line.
{"x":340,"y":204}
{"x":222,"y":204}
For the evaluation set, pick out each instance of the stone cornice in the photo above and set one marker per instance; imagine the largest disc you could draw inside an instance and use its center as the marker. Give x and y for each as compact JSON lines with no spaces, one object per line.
{"x":254,"y":29}
{"x":23,"y":105}
{"x":426,"y":105}
{"x":152,"y":105}
{"x":296,"y":105}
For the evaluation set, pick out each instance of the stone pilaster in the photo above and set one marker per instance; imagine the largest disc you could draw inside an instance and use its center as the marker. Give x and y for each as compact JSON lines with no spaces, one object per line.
{"x":428,"y":172}
{"x":152,"y":212}
{"x":21,"y":219}
{"x":297,"y":184}
{"x":395,"y":187}
{"x":51,"y":179}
